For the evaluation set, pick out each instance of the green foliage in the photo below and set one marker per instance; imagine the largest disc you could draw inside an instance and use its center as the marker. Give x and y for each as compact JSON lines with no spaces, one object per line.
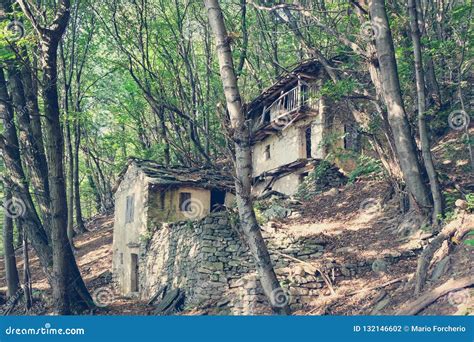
{"x":146,"y":236}
{"x":470,"y":201}
{"x":340,"y":89}
{"x":366,"y":166}
{"x":308,"y":188}
{"x":470,"y":241}
{"x":450,"y":198}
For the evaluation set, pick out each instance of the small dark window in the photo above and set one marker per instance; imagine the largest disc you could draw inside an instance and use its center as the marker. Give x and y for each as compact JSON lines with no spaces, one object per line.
{"x":162,"y":200}
{"x":121,"y":258}
{"x":267,"y":152}
{"x":307,"y":138}
{"x":185,"y":201}
{"x":129,"y":208}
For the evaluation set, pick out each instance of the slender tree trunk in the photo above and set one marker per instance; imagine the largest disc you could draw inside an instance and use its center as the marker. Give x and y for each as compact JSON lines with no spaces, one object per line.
{"x":432,"y":85}
{"x":243,"y":163}
{"x":26,"y":274}
{"x":70,"y":168}
{"x":54,"y":149}
{"x":11,"y":271}
{"x":404,"y":144}
{"x":77,"y":191}
{"x":424,"y":138}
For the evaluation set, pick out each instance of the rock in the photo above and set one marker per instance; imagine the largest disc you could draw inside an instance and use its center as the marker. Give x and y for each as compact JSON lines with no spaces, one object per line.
{"x":345,"y":271}
{"x":295,"y":215}
{"x":276,"y":212}
{"x":222,"y":303}
{"x":294,"y":201}
{"x":298,"y":270}
{"x":461,"y":204}
{"x":425,"y":236}
{"x":379,"y":266}
{"x":343,"y":250}
{"x":213,"y":266}
{"x":209,"y":249}
{"x":222,"y":221}
{"x":332,"y":192}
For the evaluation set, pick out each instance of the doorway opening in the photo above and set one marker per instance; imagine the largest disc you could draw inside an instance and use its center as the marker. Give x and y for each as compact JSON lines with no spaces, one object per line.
{"x":134,"y":273}
{"x":217,"y":200}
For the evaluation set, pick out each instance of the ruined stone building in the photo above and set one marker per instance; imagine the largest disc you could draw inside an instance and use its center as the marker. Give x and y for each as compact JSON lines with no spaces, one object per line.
{"x":294,"y":126}
{"x":148,"y":195}
{"x":170,"y":238}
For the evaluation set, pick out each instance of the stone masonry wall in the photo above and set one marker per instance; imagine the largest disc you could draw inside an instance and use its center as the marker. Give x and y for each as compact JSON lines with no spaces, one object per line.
{"x":207,"y":260}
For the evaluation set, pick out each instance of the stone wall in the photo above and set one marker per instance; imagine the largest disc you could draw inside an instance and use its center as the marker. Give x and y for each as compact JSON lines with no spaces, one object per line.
{"x":207,"y":260}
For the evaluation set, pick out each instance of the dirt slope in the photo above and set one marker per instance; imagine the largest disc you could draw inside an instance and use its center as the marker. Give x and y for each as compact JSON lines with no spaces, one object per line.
{"x":358,"y":223}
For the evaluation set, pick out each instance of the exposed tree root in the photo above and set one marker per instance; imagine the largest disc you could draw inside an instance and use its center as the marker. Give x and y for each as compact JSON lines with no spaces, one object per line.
{"x":422,"y":302}
{"x":456,"y":228}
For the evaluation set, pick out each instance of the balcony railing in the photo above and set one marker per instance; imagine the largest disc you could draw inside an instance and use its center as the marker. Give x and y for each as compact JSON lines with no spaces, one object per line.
{"x":289,"y":102}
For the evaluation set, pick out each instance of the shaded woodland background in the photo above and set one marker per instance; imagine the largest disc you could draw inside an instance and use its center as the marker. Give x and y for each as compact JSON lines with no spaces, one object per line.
{"x":85,"y":85}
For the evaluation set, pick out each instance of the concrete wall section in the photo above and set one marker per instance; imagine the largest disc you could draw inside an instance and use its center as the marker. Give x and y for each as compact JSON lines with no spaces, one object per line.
{"x":288,"y":145}
{"x":126,"y":237}
{"x":163,"y":205}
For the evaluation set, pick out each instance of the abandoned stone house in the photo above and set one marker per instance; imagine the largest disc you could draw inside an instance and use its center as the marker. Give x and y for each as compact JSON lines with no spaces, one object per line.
{"x":147,"y":195}
{"x":293,"y":127}
{"x":166,"y":234}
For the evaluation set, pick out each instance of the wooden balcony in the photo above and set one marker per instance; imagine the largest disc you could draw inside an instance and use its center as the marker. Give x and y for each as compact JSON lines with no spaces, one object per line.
{"x":290,"y":106}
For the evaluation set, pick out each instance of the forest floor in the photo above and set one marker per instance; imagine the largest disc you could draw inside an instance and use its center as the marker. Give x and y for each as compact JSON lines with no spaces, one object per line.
{"x":358,"y":222}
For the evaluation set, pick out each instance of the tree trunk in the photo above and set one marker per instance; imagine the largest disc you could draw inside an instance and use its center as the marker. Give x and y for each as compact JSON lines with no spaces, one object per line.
{"x":11,"y":272}
{"x":33,"y":156}
{"x":26,"y":104}
{"x":432,"y":85}
{"x":70,"y":168}
{"x":32,"y":225}
{"x":404,"y":144}
{"x":65,"y":271}
{"x":54,"y":150}
{"x":20,"y":189}
{"x":77,"y":191}
{"x":424,"y":138}
{"x":26,"y":274}
{"x":243,"y":163}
